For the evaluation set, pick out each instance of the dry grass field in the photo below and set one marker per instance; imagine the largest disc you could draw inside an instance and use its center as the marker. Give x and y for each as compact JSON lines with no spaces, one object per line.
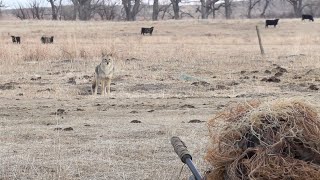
{"x":188,"y":70}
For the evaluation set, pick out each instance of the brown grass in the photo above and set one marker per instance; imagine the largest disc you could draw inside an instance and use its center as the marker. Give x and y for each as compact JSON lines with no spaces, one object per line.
{"x":277,"y":140}
{"x":152,"y":73}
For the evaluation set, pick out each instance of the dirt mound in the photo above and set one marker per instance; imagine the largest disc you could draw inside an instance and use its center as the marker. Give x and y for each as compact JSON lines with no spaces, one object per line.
{"x":278,"y":140}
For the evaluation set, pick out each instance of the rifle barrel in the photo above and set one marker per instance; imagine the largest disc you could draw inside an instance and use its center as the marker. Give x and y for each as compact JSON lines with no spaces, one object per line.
{"x":193,"y":169}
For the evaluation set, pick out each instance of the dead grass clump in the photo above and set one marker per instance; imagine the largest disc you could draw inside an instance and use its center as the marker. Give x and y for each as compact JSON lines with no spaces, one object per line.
{"x":278,"y":140}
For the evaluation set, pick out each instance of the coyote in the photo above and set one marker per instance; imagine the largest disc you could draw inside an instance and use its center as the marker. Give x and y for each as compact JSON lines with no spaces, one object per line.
{"x":103,"y":74}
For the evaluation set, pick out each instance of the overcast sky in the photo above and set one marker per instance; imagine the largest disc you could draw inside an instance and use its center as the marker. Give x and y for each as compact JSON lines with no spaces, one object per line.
{"x":14,"y":3}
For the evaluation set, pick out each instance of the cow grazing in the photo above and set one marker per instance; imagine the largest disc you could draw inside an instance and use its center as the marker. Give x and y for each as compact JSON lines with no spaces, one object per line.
{"x":272,"y":22}
{"x":146,"y":31}
{"x":16,"y":39}
{"x":307,"y":16}
{"x":47,"y":40}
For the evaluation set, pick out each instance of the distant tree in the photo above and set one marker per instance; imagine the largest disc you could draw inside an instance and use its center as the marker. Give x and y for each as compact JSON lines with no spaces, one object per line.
{"x":265,"y":7}
{"x":107,"y":10}
{"x":21,"y":12}
{"x":165,"y":9}
{"x":56,"y":6}
{"x":312,"y":7}
{"x":131,"y":10}
{"x":155,"y":12}
{"x":227,"y":8}
{"x":37,"y":9}
{"x":1,"y":6}
{"x":297,"y":6}
{"x":208,"y":7}
{"x":250,"y":5}
{"x":176,"y":8}
{"x":84,"y":9}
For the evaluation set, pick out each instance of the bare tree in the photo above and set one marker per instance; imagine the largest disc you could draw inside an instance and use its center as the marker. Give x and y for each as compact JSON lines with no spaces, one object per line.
{"x":131,"y":10}
{"x":265,"y":7}
{"x":208,"y":7}
{"x":250,"y":5}
{"x":155,"y":11}
{"x":227,"y":8}
{"x":1,"y":6}
{"x":176,"y":8}
{"x":56,"y":6}
{"x":165,"y":9}
{"x":21,"y":12}
{"x":36,"y":9}
{"x":107,"y":10}
{"x":84,"y":9}
{"x":297,"y":6}
{"x":312,"y":7}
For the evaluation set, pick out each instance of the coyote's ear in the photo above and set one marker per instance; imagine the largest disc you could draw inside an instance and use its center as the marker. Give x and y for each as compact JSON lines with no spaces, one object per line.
{"x":103,"y":54}
{"x":110,"y":54}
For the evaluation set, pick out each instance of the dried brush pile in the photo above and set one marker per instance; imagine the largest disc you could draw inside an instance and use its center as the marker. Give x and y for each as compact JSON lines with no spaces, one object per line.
{"x":278,"y":140}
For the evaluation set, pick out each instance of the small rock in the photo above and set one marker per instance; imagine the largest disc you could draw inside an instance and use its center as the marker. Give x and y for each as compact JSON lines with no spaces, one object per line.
{"x":134,"y":112}
{"x":242,"y":72}
{"x":220,"y":106}
{"x":72,"y":80}
{"x":279,"y":69}
{"x":221,"y":87}
{"x":87,"y":125}
{"x":68,"y":129}
{"x":60,"y":112}
{"x":86,"y":77}
{"x":233,"y":83}
{"x":150,"y":110}
{"x":79,"y":109}
{"x":57,"y":129}
{"x":187,"y":106}
{"x":278,"y":74}
{"x":202,"y":83}
{"x":313,"y":87}
{"x":35,"y":78}
{"x":135,"y":121}
{"x":296,"y":77}
{"x":267,"y":72}
{"x":271,"y":79}
{"x":8,"y":86}
{"x":196,"y":121}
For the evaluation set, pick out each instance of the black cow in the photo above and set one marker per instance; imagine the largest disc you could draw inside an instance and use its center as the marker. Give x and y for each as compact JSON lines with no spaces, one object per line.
{"x":272,"y":22}
{"x":16,"y":39}
{"x":146,"y":31}
{"x":307,"y":16}
{"x":47,"y":40}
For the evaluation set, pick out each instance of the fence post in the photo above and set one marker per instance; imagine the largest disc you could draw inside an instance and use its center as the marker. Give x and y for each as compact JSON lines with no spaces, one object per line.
{"x":260,"y":42}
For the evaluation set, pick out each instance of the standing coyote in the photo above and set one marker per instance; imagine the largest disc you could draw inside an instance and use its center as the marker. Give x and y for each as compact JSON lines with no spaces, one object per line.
{"x":103,"y":74}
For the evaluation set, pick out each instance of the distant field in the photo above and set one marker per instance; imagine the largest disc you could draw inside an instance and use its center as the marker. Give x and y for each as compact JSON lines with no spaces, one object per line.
{"x":188,"y":69}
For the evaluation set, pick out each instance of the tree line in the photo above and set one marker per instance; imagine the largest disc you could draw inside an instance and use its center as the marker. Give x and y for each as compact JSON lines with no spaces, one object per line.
{"x":130,"y":10}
